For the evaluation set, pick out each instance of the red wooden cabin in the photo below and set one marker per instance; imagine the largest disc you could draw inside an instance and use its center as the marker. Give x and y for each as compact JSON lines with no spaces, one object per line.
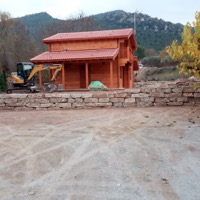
{"x":105,"y":56}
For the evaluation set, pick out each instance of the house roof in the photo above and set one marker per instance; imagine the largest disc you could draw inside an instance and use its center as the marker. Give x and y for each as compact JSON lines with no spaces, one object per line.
{"x":76,"y":55}
{"x":91,"y":35}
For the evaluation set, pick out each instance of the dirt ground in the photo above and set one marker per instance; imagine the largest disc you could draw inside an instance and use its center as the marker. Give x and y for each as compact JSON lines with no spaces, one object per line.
{"x":104,"y":154}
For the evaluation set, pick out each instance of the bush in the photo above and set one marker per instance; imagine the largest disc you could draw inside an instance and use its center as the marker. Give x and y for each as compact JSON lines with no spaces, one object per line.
{"x":151,"y":61}
{"x":163,"y":74}
{"x":3,"y":86}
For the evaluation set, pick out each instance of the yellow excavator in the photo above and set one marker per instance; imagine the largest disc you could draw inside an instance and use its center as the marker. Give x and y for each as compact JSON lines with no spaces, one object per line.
{"x":24,"y":78}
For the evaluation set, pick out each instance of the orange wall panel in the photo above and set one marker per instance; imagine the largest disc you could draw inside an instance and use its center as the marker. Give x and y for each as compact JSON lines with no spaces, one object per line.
{"x":83,"y":45}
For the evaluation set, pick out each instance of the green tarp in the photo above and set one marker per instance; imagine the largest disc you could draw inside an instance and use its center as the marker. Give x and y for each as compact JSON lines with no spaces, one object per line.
{"x":97,"y":85}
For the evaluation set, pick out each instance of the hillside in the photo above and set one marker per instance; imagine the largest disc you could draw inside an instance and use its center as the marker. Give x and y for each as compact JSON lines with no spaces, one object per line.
{"x":36,"y":21}
{"x":150,"y":32}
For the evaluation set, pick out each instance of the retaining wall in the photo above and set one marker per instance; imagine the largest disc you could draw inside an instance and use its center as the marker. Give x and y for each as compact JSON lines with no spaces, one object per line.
{"x":144,"y":94}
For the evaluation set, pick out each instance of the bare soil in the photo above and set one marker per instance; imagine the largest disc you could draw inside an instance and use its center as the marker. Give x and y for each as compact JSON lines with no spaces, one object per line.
{"x":111,"y":154}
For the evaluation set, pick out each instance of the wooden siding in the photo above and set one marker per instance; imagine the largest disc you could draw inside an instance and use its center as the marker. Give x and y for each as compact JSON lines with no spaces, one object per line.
{"x":75,"y":76}
{"x":101,"y":72}
{"x":83,"y":45}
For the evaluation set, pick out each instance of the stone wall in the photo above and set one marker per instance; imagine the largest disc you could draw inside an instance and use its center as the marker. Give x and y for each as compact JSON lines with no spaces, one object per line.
{"x":144,"y":94}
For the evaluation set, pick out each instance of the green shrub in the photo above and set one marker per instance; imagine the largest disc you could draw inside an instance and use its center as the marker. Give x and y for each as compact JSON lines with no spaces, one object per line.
{"x":3,"y":86}
{"x":153,"y":61}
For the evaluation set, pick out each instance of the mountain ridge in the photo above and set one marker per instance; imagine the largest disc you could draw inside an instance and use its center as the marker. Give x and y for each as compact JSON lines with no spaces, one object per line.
{"x":150,"y":32}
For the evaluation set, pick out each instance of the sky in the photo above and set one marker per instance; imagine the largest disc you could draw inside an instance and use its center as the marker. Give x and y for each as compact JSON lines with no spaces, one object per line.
{"x":176,"y":11}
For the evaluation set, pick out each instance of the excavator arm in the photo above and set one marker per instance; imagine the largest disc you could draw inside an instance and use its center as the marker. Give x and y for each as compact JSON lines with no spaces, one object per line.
{"x":38,"y":68}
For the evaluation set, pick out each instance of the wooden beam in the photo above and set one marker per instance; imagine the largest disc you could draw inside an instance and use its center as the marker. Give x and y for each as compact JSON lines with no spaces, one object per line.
{"x":40,"y":78}
{"x":63,"y":75}
{"x":131,"y":76}
{"x":111,"y":74}
{"x":86,"y":75}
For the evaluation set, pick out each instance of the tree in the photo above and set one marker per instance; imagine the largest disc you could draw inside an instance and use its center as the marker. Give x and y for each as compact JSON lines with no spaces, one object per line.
{"x":15,"y":43}
{"x":140,"y":52}
{"x":5,"y":25}
{"x":188,"y":52}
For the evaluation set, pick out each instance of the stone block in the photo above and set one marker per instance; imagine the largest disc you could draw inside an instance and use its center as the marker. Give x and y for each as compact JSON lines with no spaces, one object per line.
{"x":64,"y":105}
{"x":133,"y":90}
{"x":20,"y":103}
{"x":47,"y":105}
{"x":130,"y":100}
{"x":36,"y":95}
{"x":70,"y":100}
{"x":148,"y":90}
{"x":172,"y":99}
{"x":197,"y":99}
{"x":130,"y":104}
{"x":164,"y":90}
{"x":173,"y":95}
{"x":2,"y":101}
{"x":139,"y":95}
{"x":120,"y":94}
{"x":177,"y":90}
{"x":188,"y":94}
{"x":175,"y":103}
{"x":91,"y":100}
{"x":76,"y":95}
{"x":157,"y":94}
{"x":104,"y":100}
{"x":188,"y":89}
{"x":161,"y":100}
{"x":32,"y":105}
{"x":42,"y":101}
{"x":78,"y":100}
{"x":146,"y":99}
{"x":110,"y":95}
{"x":118,"y":104}
{"x":108,"y":104}
{"x":57,"y":95}
{"x":182,"y":99}
{"x":116,"y":100}
{"x":196,"y":94}
{"x":18,"y":96}
{"x":100,"y":95}
{"x":65,"y":95}
{"x":10,"y":102}
{"x":87,"y":95}
{"x":56,"y":100}
{"x":5,"y":96}
{"x":172,"y":85}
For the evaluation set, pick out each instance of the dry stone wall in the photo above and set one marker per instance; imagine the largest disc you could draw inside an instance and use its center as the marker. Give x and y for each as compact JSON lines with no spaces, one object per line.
{"x":144,"y":94}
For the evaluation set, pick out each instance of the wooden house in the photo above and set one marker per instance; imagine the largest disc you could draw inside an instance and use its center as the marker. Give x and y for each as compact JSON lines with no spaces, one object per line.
{"x":105,"y":56}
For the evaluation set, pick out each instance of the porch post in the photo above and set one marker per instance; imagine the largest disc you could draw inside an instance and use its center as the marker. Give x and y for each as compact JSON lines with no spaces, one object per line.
{"x":40,"y":78}
{"x":86,"y":75}
{"x":131,"y":76}
{"x":63,"y":75}
{"x":111,"y":74}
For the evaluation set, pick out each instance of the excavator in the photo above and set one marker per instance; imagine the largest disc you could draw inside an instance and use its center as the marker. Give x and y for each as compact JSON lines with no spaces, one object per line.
{"x":24,"y":78}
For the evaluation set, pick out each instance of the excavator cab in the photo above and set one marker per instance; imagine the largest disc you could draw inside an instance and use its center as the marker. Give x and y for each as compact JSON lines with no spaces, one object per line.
{"x":24,"y":69}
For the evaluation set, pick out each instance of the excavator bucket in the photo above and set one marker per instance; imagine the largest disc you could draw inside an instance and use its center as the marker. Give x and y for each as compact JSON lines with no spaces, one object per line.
{"x":50,"y":87}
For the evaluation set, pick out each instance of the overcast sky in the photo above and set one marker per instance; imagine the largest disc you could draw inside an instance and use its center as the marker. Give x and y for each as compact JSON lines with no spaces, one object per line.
{"x":169,"y":10}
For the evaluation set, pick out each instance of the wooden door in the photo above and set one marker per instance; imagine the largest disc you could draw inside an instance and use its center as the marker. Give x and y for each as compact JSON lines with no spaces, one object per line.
{"x":82,"y":76}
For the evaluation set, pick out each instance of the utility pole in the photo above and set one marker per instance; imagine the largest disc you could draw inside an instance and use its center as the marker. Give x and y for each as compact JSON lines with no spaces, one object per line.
{"x":135,"y":21}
